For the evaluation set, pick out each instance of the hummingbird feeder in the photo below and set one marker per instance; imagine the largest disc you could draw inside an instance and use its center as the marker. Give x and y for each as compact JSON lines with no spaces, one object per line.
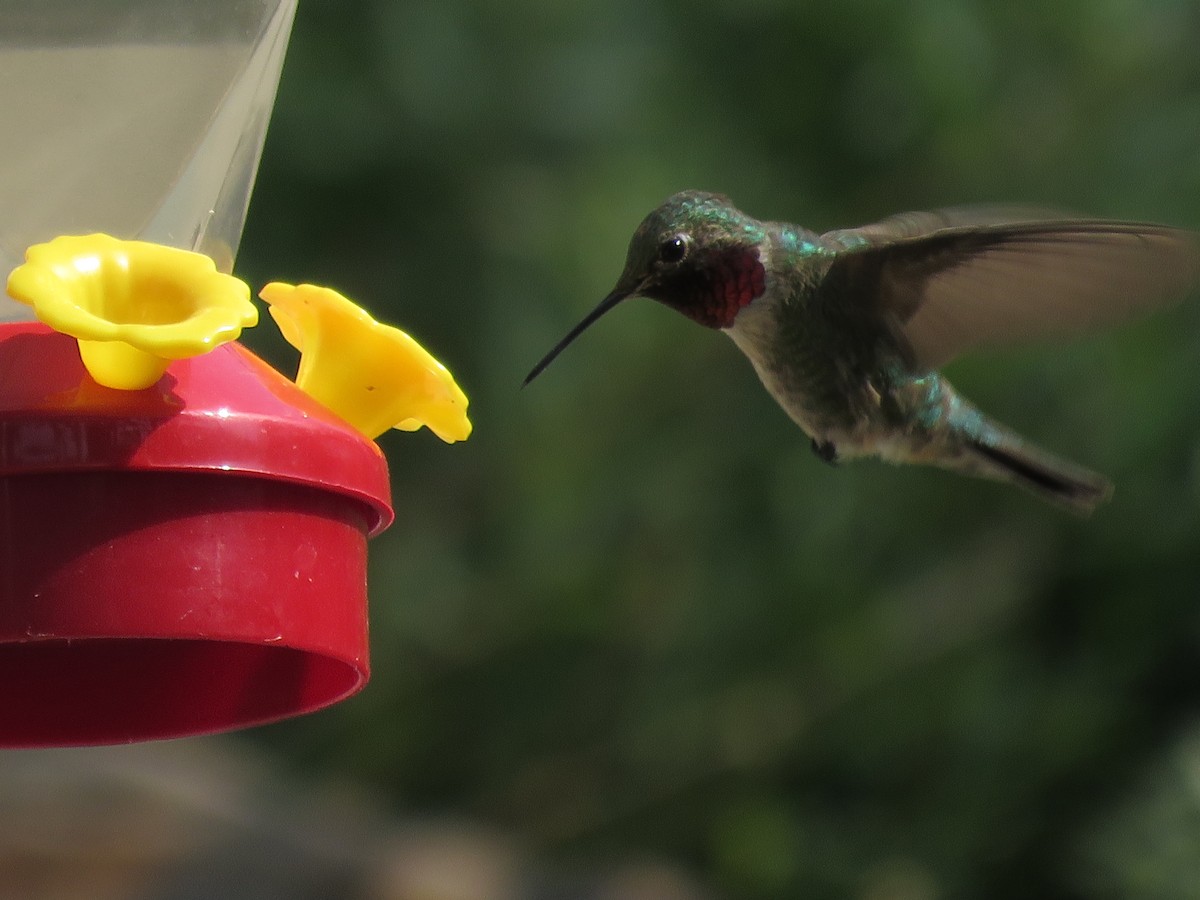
{"x":183,"y":530}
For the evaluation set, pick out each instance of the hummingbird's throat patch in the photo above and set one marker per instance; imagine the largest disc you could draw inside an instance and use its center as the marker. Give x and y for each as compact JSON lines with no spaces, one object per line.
{"x":728,"y":281}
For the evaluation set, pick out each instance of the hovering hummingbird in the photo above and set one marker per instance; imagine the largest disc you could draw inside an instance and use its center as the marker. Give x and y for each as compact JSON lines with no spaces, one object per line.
{"x":847,"y":329}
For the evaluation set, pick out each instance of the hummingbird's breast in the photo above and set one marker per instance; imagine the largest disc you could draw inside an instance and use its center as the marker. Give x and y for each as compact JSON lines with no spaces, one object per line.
{"x":811,"y":385}
{"x":828,"y":376}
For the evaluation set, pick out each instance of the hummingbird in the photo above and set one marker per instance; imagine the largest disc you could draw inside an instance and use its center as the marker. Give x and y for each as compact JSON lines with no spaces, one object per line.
{"x":847,"y":330}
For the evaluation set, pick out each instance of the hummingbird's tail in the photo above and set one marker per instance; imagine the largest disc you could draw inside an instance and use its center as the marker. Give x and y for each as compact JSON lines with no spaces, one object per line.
{"x":998,"y":453}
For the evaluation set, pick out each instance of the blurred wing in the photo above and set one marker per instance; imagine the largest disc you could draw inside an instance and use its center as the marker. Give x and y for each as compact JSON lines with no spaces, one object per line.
{"x":925,"y":223}
{"x":957,"y":279}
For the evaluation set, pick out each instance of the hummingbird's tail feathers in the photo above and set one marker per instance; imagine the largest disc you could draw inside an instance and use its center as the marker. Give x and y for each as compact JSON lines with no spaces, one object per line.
{"x":1003,"y":456}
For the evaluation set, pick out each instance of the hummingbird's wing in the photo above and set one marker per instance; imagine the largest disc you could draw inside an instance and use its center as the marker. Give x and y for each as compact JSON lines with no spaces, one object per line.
{"x":961,"y":278}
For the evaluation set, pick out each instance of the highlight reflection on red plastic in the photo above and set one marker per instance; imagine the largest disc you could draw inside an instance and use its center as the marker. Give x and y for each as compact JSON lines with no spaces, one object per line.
{"x":186,"y":559}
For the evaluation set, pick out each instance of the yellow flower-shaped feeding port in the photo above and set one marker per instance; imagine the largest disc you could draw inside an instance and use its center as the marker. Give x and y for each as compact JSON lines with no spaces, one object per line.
{"x":374,"y":376}
{"x":133,"y":306}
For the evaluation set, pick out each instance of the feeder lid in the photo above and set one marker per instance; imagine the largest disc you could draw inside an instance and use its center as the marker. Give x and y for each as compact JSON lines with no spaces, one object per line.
{"x":226,"y":411}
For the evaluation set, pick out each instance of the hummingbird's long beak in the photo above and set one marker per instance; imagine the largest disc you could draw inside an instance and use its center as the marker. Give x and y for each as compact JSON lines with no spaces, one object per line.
{"x":605,"y":305}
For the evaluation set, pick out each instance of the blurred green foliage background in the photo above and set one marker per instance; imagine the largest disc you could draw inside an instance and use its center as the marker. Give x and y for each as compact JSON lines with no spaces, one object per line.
{"x":633,"y":615}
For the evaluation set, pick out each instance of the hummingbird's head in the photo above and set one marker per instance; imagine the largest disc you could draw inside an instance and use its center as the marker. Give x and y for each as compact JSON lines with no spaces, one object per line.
{"x":696,"y":253}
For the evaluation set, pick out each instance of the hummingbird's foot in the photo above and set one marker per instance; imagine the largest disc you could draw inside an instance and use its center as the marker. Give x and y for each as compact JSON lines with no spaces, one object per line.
{"x":826,"y":451}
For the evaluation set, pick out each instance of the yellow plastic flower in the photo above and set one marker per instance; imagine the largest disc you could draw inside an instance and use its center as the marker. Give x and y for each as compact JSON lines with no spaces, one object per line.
{"x":132,"y":305}
{"x":374,"y":376}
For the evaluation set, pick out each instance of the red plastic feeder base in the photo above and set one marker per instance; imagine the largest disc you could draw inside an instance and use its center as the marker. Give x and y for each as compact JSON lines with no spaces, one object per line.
{"x":181,"y":560}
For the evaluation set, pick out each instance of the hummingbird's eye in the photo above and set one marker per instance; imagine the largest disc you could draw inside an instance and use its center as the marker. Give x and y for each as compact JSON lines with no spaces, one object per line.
{"x":673,"y":249}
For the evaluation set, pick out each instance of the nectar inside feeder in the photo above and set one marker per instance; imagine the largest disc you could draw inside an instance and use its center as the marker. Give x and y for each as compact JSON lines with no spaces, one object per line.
{"x":178,"y":560}
{"x":142,"y":119}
